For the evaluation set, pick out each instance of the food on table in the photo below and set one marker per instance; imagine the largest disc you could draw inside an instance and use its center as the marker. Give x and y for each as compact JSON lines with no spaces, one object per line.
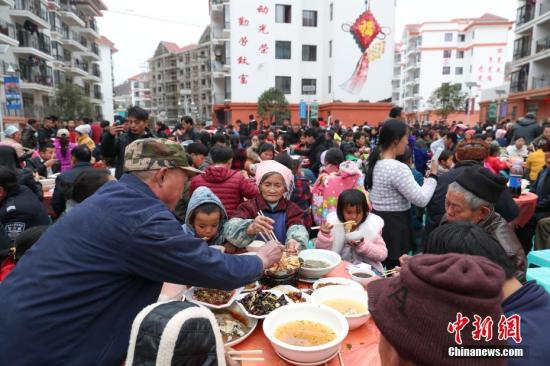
{"x":212,"y":296}
{"x":362,"y":275}
{"x":348,"y":226}
{"x":296,"y":296}
{"x":315,"y":264}
{"x":232,"y":325}
{"x":251,"y":286}
{"x":304,"y":333}
{"x":289,"y":262}
{"x":325,"y":284}
{"x":346,"y":306}
{"x":261,"y":303}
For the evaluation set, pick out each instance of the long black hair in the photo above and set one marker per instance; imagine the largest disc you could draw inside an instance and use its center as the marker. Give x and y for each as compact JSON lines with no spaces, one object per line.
{"x":64,"y":143}
{"x":392,"y":131}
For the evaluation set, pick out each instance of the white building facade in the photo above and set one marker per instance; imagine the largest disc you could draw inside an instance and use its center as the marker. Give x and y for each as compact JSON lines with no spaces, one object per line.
{"x":304,"y":48}
{"x":106,"y":88}
{"x":471,"y":52}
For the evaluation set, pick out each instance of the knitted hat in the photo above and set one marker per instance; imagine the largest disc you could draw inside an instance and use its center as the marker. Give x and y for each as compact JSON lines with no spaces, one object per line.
{"x":477,"y":150}
{"x":62,"y":132}
{"x":10,"y":131}
{"x":83,"y":129}
{"x":481,"y":182}
{"x":413,"y":310}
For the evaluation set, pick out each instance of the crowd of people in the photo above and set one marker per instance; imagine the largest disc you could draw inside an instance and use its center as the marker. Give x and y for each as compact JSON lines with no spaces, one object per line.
{"x":135,"y":207}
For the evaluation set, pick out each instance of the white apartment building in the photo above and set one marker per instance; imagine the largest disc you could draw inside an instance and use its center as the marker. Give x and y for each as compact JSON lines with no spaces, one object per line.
{"x":471,"y":52}
{"x":136,"y":91}
{"x":106,"y":51}
{"x":302,"y":47}
{"x":398,"y":69}
{"x":50,"y":42}
{"x":530,"y":77}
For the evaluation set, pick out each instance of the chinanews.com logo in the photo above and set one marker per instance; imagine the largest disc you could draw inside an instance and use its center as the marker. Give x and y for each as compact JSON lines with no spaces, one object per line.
{"x":508,"y":329}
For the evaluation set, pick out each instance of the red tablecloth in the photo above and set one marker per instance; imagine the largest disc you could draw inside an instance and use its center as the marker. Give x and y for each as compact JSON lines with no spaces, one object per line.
{"x":360,"y":348}
{"x":48,"y":203}
{"x":527,"y":203}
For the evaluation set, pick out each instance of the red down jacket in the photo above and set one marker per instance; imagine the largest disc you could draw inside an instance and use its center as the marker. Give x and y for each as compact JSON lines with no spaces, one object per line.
{"x":230,"y":186}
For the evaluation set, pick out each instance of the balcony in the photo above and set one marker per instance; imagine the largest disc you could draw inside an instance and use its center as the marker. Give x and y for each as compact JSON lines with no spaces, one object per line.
{"x":522,"y":48}
{"x":7,"y":34}
{"x":92,"y":53}
{"x":518,"y":86}
{"x":38,"y":81}
{"x":94,"y":74}
{"x":91,"y":8}
{"x":543,"y":44}
{"x":33,"y":10}
{"x":10,"y":3}
{"x":90,"y":30}
{"x":53,"y":4}
{"x":72,"y":41}
{"x":76,"y":68}
{"x":544,"y":8}
{"x":541,"y":82}
{"x":33,"y":45}
{"x":69,"y":15}
{"x":525,"y":14}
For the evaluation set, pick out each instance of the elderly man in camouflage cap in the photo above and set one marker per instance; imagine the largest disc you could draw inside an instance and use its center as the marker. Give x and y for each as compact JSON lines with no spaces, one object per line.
{"x":72,"y":299}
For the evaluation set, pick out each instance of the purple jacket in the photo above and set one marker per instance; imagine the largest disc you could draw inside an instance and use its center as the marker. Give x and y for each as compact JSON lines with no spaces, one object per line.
{"x":65,"y":161}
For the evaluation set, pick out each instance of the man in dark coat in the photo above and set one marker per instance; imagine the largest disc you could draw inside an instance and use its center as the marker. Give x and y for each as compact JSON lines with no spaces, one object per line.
{"x":527,"y":128}
{"x":114,"y":143}
{"x":72,"y":298}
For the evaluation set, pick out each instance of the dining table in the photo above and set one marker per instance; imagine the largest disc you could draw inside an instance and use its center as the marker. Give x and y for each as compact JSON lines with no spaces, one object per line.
{"x":527,"y":204}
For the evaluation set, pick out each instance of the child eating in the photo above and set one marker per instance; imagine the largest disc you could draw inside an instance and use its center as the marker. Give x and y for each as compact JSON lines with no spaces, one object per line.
{"x":353,"y":232}
{"x":281,"y":216}
{"x":205,"y":217}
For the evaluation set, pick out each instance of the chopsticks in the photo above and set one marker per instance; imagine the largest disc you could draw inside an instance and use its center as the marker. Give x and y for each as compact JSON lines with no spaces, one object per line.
{"x":390,"y":272}
{"x":340,"y":359}
{"x":339,"y":223}
{"x":244,"y":353}
{"x":269,"y":234}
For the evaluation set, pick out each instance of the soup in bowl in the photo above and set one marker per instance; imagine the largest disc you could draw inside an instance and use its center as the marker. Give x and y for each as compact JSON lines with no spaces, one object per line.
{"x":318,"y":262}
{"x":306,"y":333}
{"x":352,"y":303}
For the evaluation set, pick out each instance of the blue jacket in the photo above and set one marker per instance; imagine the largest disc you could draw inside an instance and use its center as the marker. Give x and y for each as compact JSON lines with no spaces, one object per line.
{"x":532,"y":303}
{"x":201,"y":196}
{"x":72,"y":298}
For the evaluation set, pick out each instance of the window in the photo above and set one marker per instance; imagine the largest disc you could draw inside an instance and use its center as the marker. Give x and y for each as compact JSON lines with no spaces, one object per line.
{"x":282,"y":50}
{"x":459,"y":71}
{"x":448,"y":37}
{"x":329,"y":49}
{"x":283,"y":13}
{"x":283,"y":83}
{"x":473,"y":34}
{"x":446,"y":70}
{"x":447,"y":53}
{"x":471,"y":68}
{"x":459,"y":54}
{"x":309,"y":18}
{"x":472,"y":52}
{"x":309,"y":86}
{"x":309,"y":53}
{"x":462,"y":38}
{"x":331,"y":11}
{"x":330,"y":84}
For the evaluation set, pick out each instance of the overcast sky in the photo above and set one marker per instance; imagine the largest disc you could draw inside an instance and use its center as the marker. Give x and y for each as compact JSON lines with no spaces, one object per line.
{"x":137,"y":26}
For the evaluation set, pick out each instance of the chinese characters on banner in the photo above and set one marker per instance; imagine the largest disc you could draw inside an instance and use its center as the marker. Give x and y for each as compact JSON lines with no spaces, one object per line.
{"x":507,"y":328}
{"x":246,"y":44}
{"x":494,"y":69}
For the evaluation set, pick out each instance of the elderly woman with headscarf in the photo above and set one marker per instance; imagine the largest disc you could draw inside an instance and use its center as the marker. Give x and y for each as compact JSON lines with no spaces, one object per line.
{"x":83,"y":136}
{"x":270,"y":211}
{"x":13,"y":139}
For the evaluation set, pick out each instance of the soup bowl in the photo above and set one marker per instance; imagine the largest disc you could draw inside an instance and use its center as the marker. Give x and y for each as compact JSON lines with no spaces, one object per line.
{"x":357,"y":276}
{"x":344,"y":293}
{"x":311,"y":312}
{"x":331,"y":258}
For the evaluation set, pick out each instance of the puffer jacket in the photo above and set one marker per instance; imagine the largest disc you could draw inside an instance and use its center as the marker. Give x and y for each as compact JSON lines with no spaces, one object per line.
{"x":230,"y":186}
{"x":495,"y":225}
{"x":201,"y":196}
{"x":527,"y":128}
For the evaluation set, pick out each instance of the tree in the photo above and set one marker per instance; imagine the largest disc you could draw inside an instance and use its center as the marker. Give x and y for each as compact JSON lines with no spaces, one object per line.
{"x":71,"y":103}
{"x":448,"y":99}
{"x":273,"y":103}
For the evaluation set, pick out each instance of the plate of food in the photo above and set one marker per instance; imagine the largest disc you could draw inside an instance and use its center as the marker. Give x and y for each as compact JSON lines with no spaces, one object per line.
{"x":259,"y":304}
{"x":212,"y":298}
{"x":252,"y":287}
{"x":336,"y":281}
{"x":295,"y":295}
{"x":235,"y":325}
{"x":289,"y":264}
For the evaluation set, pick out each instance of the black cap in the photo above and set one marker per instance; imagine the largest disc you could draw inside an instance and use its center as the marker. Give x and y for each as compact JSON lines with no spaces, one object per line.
{"x":484,"y":184}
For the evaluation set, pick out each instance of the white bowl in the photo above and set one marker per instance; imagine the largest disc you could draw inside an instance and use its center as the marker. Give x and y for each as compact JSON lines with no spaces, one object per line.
{"x":362,"y":280}
{"x":344,"y":292}
{"x":255,"y":246}
{"x":332,"y":258}
{"x":339,"y":280}
{"x":221,"y":248}
{"x":250,"y":315}
{"x":190,"y":296}
{"x":312,"y":312}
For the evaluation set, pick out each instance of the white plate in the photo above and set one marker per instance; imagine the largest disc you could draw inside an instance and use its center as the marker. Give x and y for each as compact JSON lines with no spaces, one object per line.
{"x":285,"y":289}
{"x":257,"y":287}
{"x":252,"y":323}
{"x":308,"y":280}
{"x":241,"y":296}
{"x":307,"y":363}
{"x":189,"y":296}
{"x":340,"y":280}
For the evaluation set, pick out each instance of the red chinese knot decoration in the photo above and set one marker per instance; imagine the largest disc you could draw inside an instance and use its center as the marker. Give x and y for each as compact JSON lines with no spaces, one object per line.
{"x":365,"y":30}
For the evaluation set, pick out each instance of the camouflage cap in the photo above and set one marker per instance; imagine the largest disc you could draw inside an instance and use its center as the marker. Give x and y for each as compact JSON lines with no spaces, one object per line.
{"x":155,"y":154}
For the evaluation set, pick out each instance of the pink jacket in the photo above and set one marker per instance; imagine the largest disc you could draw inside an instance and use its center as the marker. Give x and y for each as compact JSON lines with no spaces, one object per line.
{"x":65,"y":161}
{"x":371,"y":248}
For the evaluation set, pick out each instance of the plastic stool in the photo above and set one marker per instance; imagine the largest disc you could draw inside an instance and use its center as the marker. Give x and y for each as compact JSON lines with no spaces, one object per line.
{"x":541,"y":275}
{"x":540,"y":258}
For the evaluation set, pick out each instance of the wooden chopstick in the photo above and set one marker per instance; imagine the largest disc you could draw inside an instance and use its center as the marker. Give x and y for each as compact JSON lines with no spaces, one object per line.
{"x":270,"y":234}
{"x":340,"y":359}
{"x":253,"y":352}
